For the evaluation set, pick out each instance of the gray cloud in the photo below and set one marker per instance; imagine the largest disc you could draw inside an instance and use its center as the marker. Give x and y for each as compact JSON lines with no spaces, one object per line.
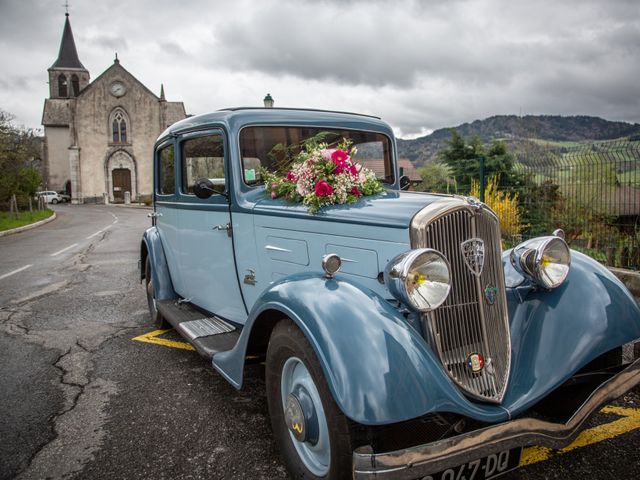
{"x":420,"y":65}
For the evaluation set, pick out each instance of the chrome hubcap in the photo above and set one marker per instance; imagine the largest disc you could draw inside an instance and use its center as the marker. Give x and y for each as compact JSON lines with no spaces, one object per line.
{"x":304,"y":416}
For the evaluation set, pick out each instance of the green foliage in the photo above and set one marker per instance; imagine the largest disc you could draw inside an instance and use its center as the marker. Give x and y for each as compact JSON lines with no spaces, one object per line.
{"x":539,"y":204}
{"x":19,"y":150}
{"x":9,"y":221}
{"x":463,"y":158}
{"x":437,"y":177}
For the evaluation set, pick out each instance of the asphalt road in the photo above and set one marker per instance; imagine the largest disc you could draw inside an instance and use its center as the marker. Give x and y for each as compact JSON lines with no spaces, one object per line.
{"x":81,"y":399}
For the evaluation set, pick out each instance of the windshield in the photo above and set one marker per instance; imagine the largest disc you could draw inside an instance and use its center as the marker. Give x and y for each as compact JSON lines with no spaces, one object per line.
{"x":273,"y":148}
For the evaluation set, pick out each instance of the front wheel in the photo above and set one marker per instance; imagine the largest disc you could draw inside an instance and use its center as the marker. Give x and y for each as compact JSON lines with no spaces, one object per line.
{"x":54,"y":201}
{"x":156,"y":316}
{"x":311,"y":432}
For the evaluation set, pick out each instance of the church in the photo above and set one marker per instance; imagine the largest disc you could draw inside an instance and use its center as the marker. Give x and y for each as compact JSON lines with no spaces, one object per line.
{"x":99,"y":135}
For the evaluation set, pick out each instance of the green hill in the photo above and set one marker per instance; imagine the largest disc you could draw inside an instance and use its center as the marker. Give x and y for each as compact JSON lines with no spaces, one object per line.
{"x":556,"y":129}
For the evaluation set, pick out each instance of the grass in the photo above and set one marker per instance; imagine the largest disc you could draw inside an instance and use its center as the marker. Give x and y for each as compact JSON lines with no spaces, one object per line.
{"x":9,"y":221}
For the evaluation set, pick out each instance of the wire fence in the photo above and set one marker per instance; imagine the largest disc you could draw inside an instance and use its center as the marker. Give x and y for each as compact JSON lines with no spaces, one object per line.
{"x":590,"y":191}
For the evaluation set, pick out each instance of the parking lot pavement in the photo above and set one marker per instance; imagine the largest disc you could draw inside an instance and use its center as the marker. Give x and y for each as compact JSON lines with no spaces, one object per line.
{"x":83,"y":400}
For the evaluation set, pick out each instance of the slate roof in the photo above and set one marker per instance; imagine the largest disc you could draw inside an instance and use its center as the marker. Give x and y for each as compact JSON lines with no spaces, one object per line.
{"x":404,"y":163}
{"x":68,"y":55}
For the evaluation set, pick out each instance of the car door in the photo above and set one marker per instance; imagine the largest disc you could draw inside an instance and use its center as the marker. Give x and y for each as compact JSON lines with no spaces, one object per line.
{"x":204,"y":238}
{"x":166,"y":209}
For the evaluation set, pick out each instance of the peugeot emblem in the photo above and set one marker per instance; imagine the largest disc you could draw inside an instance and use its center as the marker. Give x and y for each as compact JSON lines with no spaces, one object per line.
{"x":473,"y":254}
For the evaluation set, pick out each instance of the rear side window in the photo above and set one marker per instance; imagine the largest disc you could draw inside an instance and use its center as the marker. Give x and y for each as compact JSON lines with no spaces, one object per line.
{"x":167,"y":176}
{"x":203,"y":157}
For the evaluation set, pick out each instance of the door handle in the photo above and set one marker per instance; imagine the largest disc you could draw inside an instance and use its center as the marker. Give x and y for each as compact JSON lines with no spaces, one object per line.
{"x":224,"y":226}
{"x":154,"y":215}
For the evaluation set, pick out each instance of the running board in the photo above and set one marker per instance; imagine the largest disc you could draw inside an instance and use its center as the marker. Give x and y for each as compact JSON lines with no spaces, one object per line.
{"x":208,"y":334}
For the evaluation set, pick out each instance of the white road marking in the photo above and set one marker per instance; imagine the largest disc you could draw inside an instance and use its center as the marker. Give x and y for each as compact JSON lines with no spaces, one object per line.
{"x":94,"y":234}
{"x":64,"y":250}
{"x":14,"y":272}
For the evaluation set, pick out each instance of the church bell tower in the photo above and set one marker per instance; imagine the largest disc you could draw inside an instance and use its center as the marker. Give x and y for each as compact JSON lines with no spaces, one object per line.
{"x":67,"y":76}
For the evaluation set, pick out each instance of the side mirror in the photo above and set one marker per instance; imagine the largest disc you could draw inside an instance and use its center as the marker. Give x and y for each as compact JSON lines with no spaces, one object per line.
{"x":203,"y":188}
{"x":405,"y":182}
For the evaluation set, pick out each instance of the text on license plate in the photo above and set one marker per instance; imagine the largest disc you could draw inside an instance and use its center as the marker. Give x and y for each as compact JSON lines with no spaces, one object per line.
{"x":482,"y":469}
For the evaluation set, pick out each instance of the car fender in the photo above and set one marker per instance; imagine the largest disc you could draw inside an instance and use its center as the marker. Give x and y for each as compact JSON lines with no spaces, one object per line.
{"x":554,"y":333}
{"x":378,"y":368}
{"x":163,"y":286}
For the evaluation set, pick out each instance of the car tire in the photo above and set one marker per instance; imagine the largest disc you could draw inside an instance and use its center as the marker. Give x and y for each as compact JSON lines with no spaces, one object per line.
{"x":54,"y":201}
{"x":293,"y":370}
{"x":156,"y":316}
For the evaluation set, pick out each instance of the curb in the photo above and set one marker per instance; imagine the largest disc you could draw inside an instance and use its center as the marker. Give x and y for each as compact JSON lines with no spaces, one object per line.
{"x":28,"y":227}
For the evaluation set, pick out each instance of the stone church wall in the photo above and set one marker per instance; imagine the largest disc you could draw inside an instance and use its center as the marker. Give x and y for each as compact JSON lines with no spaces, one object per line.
{"x":99,"y":155}
{"x":57,"y":139}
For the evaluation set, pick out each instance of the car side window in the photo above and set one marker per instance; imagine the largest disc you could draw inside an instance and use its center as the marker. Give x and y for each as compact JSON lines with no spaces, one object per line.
{"x":167,"y":174}
{"x":203,"y":157}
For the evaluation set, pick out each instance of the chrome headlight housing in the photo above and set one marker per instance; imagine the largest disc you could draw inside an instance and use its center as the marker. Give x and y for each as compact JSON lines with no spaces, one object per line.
{"x":419,"y":278}
{"x":543,"y":260}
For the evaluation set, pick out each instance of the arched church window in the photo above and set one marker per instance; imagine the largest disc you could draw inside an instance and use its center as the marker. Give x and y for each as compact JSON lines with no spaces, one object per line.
{"x":75,"y":85}
{"x":119,"y":127}
{"x":63,"y":91}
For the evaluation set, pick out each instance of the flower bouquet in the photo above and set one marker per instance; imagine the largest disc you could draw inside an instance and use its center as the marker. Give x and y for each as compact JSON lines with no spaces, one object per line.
{"x":319,"y":175}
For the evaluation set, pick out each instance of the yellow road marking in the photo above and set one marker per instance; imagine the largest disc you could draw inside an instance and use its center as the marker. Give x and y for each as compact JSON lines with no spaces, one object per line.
{"x":152,"y":337}
{"x":630,"y":421}
{"x":630,"y":416}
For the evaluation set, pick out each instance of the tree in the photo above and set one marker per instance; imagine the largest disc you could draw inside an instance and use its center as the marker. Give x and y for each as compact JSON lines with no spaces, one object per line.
{"x":463,"y":157}
{"x":19,"y":155}
{"x":436,"y":177}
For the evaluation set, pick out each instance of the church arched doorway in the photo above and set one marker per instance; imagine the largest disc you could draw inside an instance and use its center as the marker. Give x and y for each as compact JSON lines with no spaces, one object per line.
{"x":121,"y":176}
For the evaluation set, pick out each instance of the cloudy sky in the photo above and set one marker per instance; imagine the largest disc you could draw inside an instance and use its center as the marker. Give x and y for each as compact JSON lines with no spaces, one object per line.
{"x":420,"y":65}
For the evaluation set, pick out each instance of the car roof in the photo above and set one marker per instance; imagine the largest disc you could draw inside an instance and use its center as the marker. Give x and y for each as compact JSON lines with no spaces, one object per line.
{"x":236,"y":118}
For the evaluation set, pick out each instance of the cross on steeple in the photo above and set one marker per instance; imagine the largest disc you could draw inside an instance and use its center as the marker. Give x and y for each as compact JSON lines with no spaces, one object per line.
{"x":66,"y":7}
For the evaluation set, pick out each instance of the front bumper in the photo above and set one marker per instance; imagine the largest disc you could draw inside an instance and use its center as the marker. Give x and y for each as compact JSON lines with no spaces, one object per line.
{"x":422,"y":460}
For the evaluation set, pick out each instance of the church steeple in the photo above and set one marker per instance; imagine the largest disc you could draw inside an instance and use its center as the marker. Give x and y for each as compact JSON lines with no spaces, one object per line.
{"x":67,"y":75}
{"x":68,"y":55}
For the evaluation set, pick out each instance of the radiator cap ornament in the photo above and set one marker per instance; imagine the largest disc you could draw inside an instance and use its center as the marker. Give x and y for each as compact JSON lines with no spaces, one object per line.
{"x":490,"y":293}
{"x":475,"y":362}
{"x":473,"y":254}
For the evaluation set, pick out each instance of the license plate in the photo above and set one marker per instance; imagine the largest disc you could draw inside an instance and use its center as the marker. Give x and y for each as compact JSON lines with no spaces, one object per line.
{"x":482,"y":469}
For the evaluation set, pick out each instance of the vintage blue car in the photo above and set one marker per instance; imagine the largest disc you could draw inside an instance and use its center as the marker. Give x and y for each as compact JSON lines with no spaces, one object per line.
{"x":399,"y":340}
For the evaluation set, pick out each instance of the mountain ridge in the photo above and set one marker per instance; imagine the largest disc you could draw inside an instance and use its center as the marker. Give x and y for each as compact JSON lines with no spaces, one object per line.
{"x":574,"y":128}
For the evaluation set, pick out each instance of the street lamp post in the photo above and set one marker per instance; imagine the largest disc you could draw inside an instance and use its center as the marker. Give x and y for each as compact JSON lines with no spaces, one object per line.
{"x":268,"y":101}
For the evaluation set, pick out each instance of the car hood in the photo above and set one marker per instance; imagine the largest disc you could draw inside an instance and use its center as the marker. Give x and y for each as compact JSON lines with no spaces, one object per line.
{"x":389,"y":209}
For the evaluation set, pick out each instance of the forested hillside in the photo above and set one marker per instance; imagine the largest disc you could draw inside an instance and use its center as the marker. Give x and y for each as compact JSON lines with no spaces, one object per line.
{"x":574,"y":129}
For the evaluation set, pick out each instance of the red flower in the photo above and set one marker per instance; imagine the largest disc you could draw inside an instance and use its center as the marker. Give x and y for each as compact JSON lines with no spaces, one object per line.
{"x":323,"y":189}
{"x":291,"y":176}
{"x":356,"y":192}
{"x":339,"y":156}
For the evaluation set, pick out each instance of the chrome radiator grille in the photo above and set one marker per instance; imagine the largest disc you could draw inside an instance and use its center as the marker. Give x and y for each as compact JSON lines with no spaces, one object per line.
{"x":473,"y":320}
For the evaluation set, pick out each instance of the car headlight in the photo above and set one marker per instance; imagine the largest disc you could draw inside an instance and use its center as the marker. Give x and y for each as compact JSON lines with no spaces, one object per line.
{"x":419,"y":278}
{"x":544,"y":260}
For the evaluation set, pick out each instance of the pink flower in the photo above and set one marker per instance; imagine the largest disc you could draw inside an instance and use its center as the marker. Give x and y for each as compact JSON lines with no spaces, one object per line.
{"x":274,"y":195}
{"x":353,"y":170}
{"x":291,"y":176}
{"x":356,"y":192}
{"x":339,"y":156}
{"x":323,"y":189}
{"x":327,"y":153}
